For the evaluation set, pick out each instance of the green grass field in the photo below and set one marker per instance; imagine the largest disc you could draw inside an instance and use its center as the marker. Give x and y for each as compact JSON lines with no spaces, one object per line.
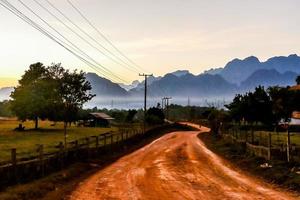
{"x":26,"y":142}
{"x":277,"y":139}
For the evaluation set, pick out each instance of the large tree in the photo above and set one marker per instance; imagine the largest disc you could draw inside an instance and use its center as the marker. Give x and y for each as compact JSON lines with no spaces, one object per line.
{"x":52,"y":93}
{"x":29,"y":99}
{"x":74,"y":91}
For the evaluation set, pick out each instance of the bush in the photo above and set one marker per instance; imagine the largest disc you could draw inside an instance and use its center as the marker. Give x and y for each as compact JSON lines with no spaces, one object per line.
{"x":155,"y":116}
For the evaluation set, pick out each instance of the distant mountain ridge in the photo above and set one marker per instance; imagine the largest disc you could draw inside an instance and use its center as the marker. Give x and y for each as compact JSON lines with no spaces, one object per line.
{"x":103,"y":87}
{"x":268,"y":77}
{"x":5,"y":93}
{"x":237,"y":70}
{"x":188,"y":85}
{"x":238,"y":75}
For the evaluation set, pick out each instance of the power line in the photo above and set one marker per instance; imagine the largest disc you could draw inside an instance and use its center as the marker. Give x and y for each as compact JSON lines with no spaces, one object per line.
{"x":26,"y":19}
{"x":112,"y":58}
{"x":72,"y":46}
{"x":49,"y":25}
{"x":103,"y":36}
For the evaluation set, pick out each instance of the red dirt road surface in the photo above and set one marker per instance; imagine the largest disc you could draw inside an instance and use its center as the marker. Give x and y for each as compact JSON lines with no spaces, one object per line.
{"x":175,"y":166}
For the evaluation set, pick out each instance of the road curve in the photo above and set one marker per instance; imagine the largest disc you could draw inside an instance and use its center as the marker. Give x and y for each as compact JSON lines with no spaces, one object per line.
{"x":175,"y":166}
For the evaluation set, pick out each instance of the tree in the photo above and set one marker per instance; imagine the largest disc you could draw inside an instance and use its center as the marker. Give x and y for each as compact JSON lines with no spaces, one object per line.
{"x":215,"y":120}
{"x":130,"y":115}
{"x":298,"y":80}
{"x":73,"y":91}
{"x":155,"y":116}
{"x":29,"y":99}
{"x":5,"y":110}
{"x":281,"y":103}
{"x":237,"y":108}
{"x":50,"y":93}
{"x":261,"y":106}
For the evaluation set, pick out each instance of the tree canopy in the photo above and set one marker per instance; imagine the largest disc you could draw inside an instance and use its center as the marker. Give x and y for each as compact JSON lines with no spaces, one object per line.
{"x":265,"y":106}
{"x":50,"y":93}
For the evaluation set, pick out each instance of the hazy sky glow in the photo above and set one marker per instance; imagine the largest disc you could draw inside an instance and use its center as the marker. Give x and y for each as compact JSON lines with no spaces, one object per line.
{"x":160,"y":35}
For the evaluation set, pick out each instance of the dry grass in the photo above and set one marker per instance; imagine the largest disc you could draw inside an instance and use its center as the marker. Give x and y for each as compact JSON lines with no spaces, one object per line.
{"x":26,"y":142}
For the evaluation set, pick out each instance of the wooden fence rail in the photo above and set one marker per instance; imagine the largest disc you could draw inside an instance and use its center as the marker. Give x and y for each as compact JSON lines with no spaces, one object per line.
{"x":22,"y":170}
{"x":263,"y":146}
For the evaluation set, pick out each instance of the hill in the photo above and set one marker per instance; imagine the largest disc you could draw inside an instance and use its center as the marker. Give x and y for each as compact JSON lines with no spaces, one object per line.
{"x":103,"y":87}
{"x":237,"y":70}
{"x":268,"y":77}
{"x":5,"y":93}
{"x":188,"y":85}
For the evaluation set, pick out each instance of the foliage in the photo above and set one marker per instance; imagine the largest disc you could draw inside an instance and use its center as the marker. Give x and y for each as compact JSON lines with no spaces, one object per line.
{"x":30,"y":98}
{"x":5,"y":110}
{"x":50,"y":93}
{"x":187,"y":113}
{"x":120,"y":116}
{"x":265,"y":106}
{"x":49,"y":136}
{"x":154,"y":116}
{"x":298,"y":80}
{"x":130,"y":116}
{"x":215,"y":120}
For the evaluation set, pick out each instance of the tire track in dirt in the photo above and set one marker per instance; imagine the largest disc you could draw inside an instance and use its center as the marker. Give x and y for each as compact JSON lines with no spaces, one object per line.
{"x":175,"y":166}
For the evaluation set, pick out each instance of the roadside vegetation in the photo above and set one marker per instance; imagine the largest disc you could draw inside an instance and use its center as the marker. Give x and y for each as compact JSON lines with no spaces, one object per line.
{"x":49,"y":134}
{"x":59,"y":185}
{"x":276,"y":172}
{"x":260,"y":118}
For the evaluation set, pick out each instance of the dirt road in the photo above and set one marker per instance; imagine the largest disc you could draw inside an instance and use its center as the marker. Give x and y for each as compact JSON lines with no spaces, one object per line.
{"x":175,"y":166}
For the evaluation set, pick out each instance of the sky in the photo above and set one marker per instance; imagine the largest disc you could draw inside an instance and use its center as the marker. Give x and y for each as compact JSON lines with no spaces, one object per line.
{"x":161,"y":36}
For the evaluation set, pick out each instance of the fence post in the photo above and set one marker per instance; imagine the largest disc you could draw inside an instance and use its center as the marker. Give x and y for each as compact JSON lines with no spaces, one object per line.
{"x":76,"y":148}
{"x":61,"y":153}
{"x":260,"y":138}
{"x":88,"y":147}
{"x":14,"y":163}
{"x":97,"y":142}
{"x":288,"y":146}
{"x":111,"y":142}
{"x":269,"y":145}
{"x":104,"y":140}
{"x":252,"y":135}
{"x":118,"y":142}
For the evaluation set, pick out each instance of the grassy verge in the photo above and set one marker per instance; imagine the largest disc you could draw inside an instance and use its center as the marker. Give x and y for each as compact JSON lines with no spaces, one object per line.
{"x":284,"y":174}
{"x":49,"y":135}
{"x":61,"y":184}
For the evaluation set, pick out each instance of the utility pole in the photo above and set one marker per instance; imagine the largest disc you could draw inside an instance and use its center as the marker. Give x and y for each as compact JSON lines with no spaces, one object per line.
{"x":166,"y":100}
{"x":162,"y":103}
{"x":145,"y":98}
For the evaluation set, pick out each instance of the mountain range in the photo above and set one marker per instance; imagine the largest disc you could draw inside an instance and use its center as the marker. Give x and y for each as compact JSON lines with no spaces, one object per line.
{"x":237,"y":70}
{"x":238,"y":75}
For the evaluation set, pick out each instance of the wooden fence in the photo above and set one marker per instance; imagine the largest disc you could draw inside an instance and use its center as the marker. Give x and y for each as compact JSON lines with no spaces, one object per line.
{"x":264,"y":144}
{"x":23,"y":170}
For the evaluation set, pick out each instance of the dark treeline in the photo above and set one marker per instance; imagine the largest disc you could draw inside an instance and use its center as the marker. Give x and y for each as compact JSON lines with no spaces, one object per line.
{"x":263,"y":108}
{"x":267,"y":106}
{"x":120,"y":116}
{"x":187,"y":113}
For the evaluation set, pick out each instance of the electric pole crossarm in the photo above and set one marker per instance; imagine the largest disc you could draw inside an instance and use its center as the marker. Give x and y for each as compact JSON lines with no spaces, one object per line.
{"x":145,"y":97}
